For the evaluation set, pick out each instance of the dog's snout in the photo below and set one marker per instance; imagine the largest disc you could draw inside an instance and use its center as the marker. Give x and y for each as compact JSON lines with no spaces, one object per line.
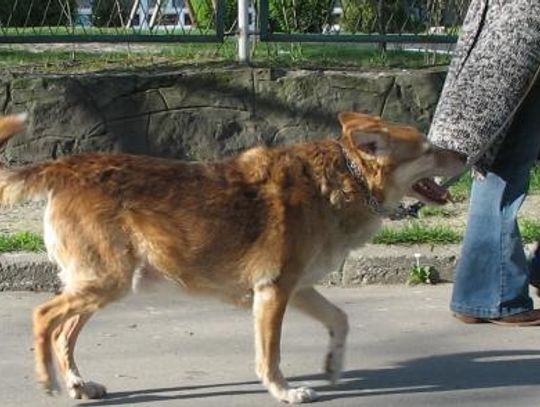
{"x":454,"y":156}
{"x":462,"y":158}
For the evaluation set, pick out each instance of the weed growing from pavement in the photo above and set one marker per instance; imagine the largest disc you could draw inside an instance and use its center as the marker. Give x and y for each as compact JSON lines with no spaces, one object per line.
{"x":420,"y":274}
{"x":21,"y":242}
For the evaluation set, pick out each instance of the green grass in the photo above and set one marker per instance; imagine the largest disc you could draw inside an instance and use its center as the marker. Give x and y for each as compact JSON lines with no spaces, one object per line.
{"x":70,"y":59}
{"x":461,"y":190}
{"x":530,"y":230}
{"x":412,"y":233}
{"x":421,"y":275}
{"x":534,"y":185}
{"x":21,"y":242}
{"x":343,"y":55}
{"x":122,"y":58}
{"x":436,"y":212}
{"x":417,"y":233}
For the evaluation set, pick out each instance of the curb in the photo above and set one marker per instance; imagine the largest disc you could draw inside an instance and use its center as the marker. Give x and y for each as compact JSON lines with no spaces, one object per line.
{"x":28,"y":272}
{"x":382,"y":264}
{"x":373,"y":264}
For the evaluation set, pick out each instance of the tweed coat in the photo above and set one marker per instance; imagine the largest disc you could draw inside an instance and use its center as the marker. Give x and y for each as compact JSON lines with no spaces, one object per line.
{"x":495,"y":60}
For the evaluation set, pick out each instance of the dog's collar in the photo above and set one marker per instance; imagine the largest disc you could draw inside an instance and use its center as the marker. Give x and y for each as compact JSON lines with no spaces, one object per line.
{"x":375,"y":206}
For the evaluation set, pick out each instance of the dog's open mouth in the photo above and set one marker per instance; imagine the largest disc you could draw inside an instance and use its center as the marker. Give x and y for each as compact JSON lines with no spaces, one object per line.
{"x":432,"y":192}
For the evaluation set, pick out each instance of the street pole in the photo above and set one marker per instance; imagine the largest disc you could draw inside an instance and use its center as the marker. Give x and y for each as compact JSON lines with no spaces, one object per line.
{"x":243,"y":31}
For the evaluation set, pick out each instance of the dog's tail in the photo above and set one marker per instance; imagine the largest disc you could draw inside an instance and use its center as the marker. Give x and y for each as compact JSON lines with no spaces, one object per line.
{"x":15,"y":183}
{"x":11,"y":125}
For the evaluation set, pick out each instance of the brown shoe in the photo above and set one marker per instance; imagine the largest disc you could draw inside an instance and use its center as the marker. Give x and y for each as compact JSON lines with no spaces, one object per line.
{"x":469,"y":319}
{"x":527,"y":318}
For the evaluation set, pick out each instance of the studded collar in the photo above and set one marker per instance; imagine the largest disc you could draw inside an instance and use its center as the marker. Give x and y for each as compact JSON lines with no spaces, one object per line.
{"x":375,"y":206}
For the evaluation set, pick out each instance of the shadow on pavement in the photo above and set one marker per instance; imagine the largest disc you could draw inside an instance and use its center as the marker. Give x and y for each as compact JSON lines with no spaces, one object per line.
{"x":461,"y":371}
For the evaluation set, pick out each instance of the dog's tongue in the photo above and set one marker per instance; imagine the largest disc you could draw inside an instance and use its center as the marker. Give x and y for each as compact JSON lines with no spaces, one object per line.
{"x":432,"y":191}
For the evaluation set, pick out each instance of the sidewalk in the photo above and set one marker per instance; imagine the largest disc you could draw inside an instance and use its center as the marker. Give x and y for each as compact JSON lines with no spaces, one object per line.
{"x":171,"y":350}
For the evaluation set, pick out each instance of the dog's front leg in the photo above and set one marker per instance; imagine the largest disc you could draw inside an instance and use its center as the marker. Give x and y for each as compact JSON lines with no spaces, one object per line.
{"x":269,"y":306}
{"x":312,"y":303}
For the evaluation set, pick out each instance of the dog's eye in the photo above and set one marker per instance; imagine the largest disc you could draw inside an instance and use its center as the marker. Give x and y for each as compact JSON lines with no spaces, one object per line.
{"x":370,"y":148}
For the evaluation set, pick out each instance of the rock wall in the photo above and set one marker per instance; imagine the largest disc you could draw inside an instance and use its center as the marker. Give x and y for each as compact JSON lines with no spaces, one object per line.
{"x":204,"y":114}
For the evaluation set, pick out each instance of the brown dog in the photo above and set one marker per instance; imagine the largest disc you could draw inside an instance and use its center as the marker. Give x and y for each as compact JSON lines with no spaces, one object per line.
{"x":260,"y":228}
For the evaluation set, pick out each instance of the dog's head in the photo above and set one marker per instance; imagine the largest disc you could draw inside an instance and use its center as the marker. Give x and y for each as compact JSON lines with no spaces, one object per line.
{"x":397,"y":160}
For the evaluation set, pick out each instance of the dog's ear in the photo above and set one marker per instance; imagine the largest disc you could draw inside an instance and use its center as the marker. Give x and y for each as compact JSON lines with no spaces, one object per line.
{"x":365,"y":133}
{"x":352,"y":118}
{"x":371,"y":142}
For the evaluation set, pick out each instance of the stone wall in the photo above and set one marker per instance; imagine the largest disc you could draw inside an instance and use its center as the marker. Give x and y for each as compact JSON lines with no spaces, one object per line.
{"x":204,"y":114}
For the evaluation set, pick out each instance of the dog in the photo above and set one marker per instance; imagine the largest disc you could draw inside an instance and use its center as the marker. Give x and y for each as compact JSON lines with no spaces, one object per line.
{"x":259,"y":229}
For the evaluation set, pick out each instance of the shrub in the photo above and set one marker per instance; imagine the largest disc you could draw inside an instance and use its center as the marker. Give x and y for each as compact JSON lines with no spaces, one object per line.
{"x":395,"y":16}
{"x":304,"y":16}
{"x":205,"y":15}
{"x":30,"y":13}
{"x":359,"y":16}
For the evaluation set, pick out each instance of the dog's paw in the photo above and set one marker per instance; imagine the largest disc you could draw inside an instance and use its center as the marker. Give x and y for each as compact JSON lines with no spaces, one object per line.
{"x":50,"y":388}
{"x":297,"y":395}
{"x":333,"y":365}
{"x":49,"y":384}
{"x":87,"y":390}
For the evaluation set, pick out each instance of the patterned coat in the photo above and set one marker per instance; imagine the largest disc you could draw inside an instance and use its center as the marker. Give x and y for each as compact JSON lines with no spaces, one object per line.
{"x":495,"y":60}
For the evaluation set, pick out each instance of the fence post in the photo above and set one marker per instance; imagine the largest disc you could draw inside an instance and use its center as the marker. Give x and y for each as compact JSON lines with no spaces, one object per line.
{"x":243,"y":31}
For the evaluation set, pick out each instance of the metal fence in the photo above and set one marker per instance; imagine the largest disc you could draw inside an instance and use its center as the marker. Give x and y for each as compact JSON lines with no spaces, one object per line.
{"x":79,"y":21}
{"x":381,"y":21}
{"x":387,"y":21}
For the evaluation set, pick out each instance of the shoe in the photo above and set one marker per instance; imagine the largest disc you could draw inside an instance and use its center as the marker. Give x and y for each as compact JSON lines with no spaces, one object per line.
{"x":527,"y":318}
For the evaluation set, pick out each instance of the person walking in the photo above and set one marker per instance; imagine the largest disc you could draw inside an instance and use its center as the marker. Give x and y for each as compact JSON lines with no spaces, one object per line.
{"x":489,"y":109}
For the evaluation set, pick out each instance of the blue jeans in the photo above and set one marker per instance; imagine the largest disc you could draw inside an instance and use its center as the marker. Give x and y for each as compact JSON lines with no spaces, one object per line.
{"x":492,"y":277}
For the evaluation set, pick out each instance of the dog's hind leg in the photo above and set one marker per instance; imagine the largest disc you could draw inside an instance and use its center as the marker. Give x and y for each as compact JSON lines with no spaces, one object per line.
{"x":61,"y":320}
{"x":269,"y":305}
{"x":64,"y":340}
{"x":312,"y":303}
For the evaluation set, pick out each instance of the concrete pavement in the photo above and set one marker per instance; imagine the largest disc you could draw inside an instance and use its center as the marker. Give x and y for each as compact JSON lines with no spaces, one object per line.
{"x":404,"y":350}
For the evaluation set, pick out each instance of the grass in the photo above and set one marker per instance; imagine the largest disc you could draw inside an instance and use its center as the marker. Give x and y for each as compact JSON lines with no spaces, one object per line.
{"x":417,"y":233}
{"x":412,"y":233}
{"x":461,"y":190}
{"x":343,"y":55}
{"x":534,"y":181}
{"x":421,"y":275}
{"x":71,"y":60}
{"x":74,"y":59}
{"x":436,"y":212}
{"x":530,"y":230}
{"x":21,"y":242}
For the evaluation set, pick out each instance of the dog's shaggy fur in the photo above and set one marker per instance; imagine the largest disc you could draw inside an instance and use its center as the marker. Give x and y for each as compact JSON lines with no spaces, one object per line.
{"x":260,"y":228}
